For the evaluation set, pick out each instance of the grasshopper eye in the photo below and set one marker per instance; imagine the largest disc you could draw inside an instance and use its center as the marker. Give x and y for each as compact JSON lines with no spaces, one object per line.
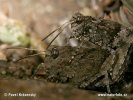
{"x":59,"y":30}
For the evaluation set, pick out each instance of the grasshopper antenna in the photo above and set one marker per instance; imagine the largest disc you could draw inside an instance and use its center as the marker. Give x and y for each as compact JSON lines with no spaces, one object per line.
{"x":55,"y":30}
{"x":55,"y":38}
{"x":22,"y":48}
{"x":60,"y":29}
{"x":54,"y":53}
{"x":28,"y":55}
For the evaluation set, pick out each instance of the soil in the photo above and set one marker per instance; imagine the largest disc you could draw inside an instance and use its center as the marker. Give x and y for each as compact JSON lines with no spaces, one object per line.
{"x":43,"y":91}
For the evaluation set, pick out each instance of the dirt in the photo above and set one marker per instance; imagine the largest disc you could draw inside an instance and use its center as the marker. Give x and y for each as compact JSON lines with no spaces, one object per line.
{"x":43,"y":91}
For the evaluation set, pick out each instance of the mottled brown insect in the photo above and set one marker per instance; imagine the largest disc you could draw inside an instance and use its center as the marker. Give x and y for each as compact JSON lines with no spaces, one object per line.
{"x":107,"y":35}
